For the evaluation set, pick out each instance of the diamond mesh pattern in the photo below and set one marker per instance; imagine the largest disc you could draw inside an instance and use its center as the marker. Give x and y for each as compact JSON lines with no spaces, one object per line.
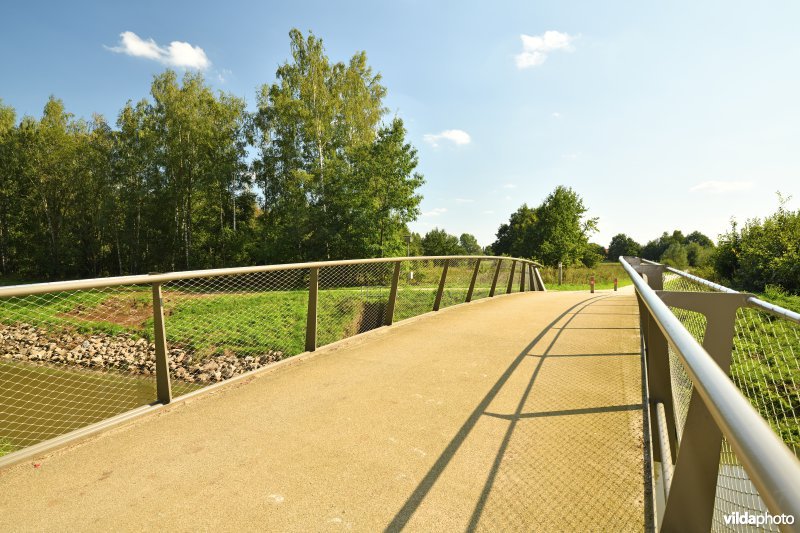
{"x":765,"y":368}
{"x":72,"y":358}
{"x":221,"y":326}
{"x":352,"y":300}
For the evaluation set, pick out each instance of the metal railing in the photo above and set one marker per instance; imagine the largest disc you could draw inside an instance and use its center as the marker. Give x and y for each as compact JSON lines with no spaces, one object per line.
{"x":722,"y":374}
{"x":78,"y":352}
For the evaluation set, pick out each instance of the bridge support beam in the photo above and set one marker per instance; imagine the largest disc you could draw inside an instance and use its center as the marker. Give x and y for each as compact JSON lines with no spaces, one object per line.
{"x":690,"y":500}
{"x":496,"y":276}
{"x":539,"y":279}
{"x":510,"y":286}
{"x":472,"y":281}
{"x":442,"y":280}
{"x":163,"y":387}
{"x":389,"y":318}
{"x":311,"y":317}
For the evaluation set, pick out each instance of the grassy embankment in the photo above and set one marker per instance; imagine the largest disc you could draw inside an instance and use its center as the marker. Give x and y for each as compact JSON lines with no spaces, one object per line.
{"x":577,"y":278}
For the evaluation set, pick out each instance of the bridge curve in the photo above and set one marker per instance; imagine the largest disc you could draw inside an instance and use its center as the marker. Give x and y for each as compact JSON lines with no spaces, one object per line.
{"x":523,"y":411}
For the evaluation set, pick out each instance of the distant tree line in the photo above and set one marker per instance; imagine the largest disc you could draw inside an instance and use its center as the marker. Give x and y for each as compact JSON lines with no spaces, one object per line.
{"x":554,"y":231}
{"x":759,"y":254}
{"x":172,"y":185}
{"x":762,"y":253}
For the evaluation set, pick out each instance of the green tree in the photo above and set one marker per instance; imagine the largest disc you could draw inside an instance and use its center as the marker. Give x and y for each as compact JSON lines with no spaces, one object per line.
{"x":439,"y":242}
{"x":621,"y":244}
{"x":335,"y":182}
{"x":593,"y":254}
{"x":516,"y":238}
{"x":9,"y":188}
{"x":675,"y":256}
{"x":764,"y":252}
{"x":555,"y":231}
{"x":469,"y":244}
{"x":384,"y":199}
{"x":700,"y":239}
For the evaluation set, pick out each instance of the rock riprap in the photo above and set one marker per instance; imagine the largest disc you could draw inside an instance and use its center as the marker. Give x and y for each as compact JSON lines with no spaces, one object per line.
{"x":124,"y":352}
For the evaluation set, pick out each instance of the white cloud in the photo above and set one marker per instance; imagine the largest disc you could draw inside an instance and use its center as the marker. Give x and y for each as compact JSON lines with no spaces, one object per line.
{"x":458,"y":137}
{"x":717,"y":187}
{"x":509,"y":186}
{"x":177,"y":54}
{"x":571,"y":156}
{"x":488,"y":212}
{"x":435,"y":212}
{"x":536,"y":47}
{"x":556,"y":114}
{"x":464,"y":200}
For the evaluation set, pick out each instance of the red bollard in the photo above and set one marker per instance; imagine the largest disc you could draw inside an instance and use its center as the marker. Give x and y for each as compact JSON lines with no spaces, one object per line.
{"x":591,"y":284}
{"x":615,"y":284}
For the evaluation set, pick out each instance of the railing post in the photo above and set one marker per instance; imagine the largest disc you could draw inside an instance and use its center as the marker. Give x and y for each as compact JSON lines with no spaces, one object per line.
{"x":496,"y":275}
{"x":690,"y":505}
{"x":653,"y":273}
{"x":311,"y":316}
{"x":387,"y":320}
{"x":472,"y":281}
{"x":659,"y":384}
{"x":163,"y":387}
{"x":522,"y":270}
{"x":531,"y":279}
{"x":539,"y":279}
{"x":439,"y":293}
{"x":511,"y":277}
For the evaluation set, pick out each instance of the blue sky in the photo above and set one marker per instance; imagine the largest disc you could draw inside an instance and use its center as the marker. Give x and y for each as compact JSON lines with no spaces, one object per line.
{"x":664,"y":116}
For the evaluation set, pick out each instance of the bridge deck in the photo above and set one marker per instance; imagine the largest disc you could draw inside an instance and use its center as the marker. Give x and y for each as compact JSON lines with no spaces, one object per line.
{"x":521,"y":412}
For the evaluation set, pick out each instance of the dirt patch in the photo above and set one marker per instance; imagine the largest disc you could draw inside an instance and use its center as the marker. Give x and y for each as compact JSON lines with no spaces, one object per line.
{"x":125,"y":311}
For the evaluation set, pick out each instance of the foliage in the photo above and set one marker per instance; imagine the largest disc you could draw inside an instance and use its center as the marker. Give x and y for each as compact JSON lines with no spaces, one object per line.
{"x":469,"y":244}
{"x":675,"y":256}
{"x":593,"y":254}
{"x":553,"y":232}
{"x":439,"y":242}
{"x":171,"y":187}
{"x":762,"y":253}
{"x":336,"y":183}
{"x":680,"y":251}
{"x":621,"y":244}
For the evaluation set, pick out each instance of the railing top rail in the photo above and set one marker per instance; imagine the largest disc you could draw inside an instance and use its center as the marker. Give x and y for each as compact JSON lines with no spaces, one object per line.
{"x":98,"y":283}
{"x":772,"y":467}
{"x":751,"y":301}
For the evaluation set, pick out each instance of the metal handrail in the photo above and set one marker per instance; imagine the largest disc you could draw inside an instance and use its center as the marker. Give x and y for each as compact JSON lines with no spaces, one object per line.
{"x":751,"y":301}
{"x":149,"y":279}
{"x":772,"y":467}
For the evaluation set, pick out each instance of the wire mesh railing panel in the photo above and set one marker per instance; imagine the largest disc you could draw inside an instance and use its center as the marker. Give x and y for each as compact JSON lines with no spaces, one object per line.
{"x":765,"y":367}
{"x":502,"y":279}
{"x":72,"y":358}
{"x":416,"y":288}
{"x":483,"y":282}
{"x":352,"y":300}
{"x":459,"y":276}
{"x":695,"y":323}
{"x":222,"y":326}
{"x":735,"y":493}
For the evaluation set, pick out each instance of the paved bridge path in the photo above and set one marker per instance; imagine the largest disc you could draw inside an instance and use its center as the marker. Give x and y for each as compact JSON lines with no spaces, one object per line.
{"x":519,"y":412}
